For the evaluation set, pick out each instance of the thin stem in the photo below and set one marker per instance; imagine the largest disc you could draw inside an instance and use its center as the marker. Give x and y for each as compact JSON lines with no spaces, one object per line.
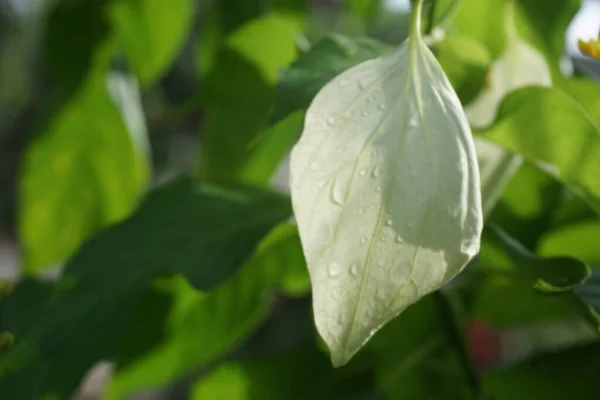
{"x":416,"y":18}
{"x":511,"y":34}
{"x":455,"y":337}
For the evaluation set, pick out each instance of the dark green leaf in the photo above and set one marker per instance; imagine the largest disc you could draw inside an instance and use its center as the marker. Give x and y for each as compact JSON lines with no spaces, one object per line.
{"x":550,"y":275}
{"x":570,"y":374}
{"x":203,"y":327}
{"x":300,"y":83}
{"x":239,"y":96}
{"x":203,"y":232}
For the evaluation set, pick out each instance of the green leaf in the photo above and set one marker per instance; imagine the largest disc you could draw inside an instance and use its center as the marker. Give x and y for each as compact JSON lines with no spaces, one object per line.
{"x":202,"y":327}
{"x":240,"y":94}
{"x":404,"y":356}
{"x":572,"y":373}
{"x":86,"y":171}
{"x":550,"y":275}
{"x":544,"y":114}
{"x":300,"y":83}
{"x":152,"y":33}
{"x":503,"y":301}
{"x":578,"y":240}
{"x":482,"y":21}
{"x":203,"y":232}
{"x":386,"y":150}
{"x":366,"y":10}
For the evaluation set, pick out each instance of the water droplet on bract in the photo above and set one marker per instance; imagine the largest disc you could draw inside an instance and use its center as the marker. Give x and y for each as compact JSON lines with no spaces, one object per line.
{"x":414,"y":121}
{"x":399,"y":280}
{"x":398,"y":239}
{"x":382,"y":239}
{"x":362,"y":172}
{"x":331,"y":121}
{"x":372,"y":207}
{"x":375,"y":172}
{"x":381,"y":106}
{"x":378,"y":189}
{"x":314,"y":166}
{"x":389,"y":222}
{"x":370,"y":99}
{"x":334,"y":270}
{"x":337,"y":292}
{"x":364,"y":240}
{"x":343,"y":83}
{"x":365,"y":113}
{"x":361,"y":211}
{"x":354,"y":269}
{"x":338,"y":193}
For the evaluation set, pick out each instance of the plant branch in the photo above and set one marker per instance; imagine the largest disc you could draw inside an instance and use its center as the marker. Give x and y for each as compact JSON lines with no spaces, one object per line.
{"x":455,"y":336}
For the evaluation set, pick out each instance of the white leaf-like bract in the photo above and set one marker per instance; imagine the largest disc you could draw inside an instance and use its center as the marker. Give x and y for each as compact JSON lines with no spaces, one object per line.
{"x":385,"y":189}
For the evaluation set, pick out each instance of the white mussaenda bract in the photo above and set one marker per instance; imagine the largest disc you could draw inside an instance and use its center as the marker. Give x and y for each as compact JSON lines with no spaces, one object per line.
{"x":385,"y":190}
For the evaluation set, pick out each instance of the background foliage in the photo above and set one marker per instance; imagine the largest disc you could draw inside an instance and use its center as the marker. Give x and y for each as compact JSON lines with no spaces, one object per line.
{"x":143,"y":149}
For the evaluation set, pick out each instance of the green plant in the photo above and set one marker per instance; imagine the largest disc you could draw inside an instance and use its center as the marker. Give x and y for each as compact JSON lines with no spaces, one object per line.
{"x":445,"y":196}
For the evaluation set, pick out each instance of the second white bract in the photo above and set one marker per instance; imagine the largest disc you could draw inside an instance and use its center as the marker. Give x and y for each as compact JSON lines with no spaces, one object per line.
{"x":385,"y":189}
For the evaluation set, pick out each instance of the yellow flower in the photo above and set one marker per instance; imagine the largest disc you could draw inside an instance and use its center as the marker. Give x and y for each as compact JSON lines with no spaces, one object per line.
{"x":590,"y":48}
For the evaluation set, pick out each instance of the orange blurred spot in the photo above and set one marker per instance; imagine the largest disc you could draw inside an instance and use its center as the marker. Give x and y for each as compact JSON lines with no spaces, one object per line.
{"x":590,"y":48}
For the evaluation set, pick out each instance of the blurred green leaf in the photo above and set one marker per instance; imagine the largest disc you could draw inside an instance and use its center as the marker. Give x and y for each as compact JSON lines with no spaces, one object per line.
{"x":555,"y":276}
{"x":503,"y":301}
{"x":203,"y":232}
{"x":466,"y":63}
{"x":548,"y":275}
{"x":482,"y":21}
{"x":152,"y":33}
{"x":366,"y":10}
{"x":577,"y":240}
{"x":299,"y":84}
{"x":532,"y":122}
{"x":412,"y":351}
{"x":87,"y":171}
{"x":240,"y":94}
{"x":572,"y":373}
{"x":527,"y":204}
{"x":202,"y":327}
{"x":544,"y":27}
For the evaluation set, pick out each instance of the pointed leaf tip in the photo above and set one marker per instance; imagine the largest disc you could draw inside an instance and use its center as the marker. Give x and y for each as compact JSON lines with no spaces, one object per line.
{"x":385,"y":189}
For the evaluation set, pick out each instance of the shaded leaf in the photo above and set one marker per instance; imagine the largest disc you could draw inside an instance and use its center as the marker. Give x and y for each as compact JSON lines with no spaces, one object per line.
{"x":203,"y":232}
{"x":299,"y":84}
{"x":549,"y":377}
{"x":240,"y":94}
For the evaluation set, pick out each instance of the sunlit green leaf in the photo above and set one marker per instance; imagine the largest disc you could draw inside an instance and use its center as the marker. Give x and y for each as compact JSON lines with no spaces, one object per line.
{"x":578,"y":240}
{"x":85,"y":172}
{"x":203,"y":232}
{"x":532,"y":122}
{"x":385,"y":187}
{"x":152,"y":33}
